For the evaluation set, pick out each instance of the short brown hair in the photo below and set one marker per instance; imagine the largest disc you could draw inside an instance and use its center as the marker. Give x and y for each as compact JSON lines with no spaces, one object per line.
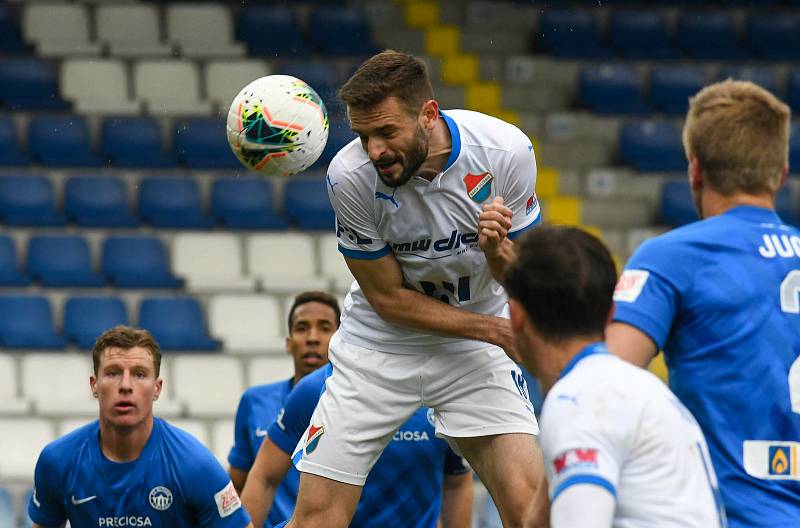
{"x":739,"y":133}
{"x":315,"y":296}
{"x":125,"y":338}
{"x":389,"y":73}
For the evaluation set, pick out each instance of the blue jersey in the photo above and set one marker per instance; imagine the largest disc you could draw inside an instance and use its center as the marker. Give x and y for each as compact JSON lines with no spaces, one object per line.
{"x":720,"y":296}
{"x":175,"y":483}
{"x":258,"y":408}
{"x":404,"y":488}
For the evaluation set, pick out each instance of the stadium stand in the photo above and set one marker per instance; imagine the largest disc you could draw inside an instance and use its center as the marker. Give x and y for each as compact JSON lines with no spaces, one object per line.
{"x":28,"y":201}
{"x":134,"y":142}
{"x":62,"y":261}
{"x":85,"y":318}
{"x":210,"y":262}
{"x":177,"y":323}
{"x":137,"y":262}
{"x":245,"y":203}
{"x":98,"y":201}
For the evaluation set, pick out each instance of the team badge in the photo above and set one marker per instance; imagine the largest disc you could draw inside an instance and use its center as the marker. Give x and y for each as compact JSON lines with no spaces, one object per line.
{"x":430,"y":417}
{"x":315,"y":432}
{"x":160,"y":498}
{"x":479,"y":186}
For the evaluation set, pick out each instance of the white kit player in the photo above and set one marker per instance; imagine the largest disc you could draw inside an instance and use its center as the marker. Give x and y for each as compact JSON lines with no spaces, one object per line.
{"x":619,"y":448}
{"x":427,"y":205}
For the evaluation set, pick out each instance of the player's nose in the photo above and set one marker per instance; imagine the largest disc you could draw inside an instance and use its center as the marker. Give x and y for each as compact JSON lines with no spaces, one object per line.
{"x":375,"y":149}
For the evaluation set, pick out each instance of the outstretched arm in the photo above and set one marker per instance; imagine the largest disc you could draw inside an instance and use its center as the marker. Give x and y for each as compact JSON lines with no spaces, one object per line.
{"x":269,"y":469}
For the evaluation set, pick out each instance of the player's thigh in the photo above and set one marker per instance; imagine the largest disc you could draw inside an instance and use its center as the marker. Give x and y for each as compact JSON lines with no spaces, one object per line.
{"x":326,"y":503}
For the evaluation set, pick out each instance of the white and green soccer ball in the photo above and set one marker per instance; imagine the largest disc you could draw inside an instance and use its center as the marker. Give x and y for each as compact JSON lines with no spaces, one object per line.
{"x":277,"y":125}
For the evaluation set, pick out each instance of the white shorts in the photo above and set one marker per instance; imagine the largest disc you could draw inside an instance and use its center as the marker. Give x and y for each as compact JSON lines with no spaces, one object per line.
{"x":371,"y":394}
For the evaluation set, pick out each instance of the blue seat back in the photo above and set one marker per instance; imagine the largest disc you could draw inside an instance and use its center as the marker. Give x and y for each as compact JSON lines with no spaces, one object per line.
{"x":97,"y":201}
{"x":171,"y":202}
{"x":10,"y":153}
{"x":176,"y":322}
{"x":26,"y":321}
{"x":10,"y":37}
{"x":48,"y":254}
{"x":570,"y":33}
{"x":640,"y":34}
{"x":708,"y":35}
{"x":764,"y":77}
{"x":774,"y":36}
{"x":133,"y":142}
{"x":202,"y":143}
{"x":27,"y":83}
{"x":608,"y":88}
{"x":307,"y":205}
{"x":652,"y":146}
{"x":61,"y":142}
{"x":28,"y":200}
{"x":245,"y":203}
{"x":85,"y":318}
{"x":273,"y":30}
{"x":677,"y":205}
{"x":137,"y":261}
{"x":672,"y":86}
{"x":340,"y":30}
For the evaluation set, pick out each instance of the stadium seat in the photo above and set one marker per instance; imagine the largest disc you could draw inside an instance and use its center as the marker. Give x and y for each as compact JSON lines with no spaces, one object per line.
{"x":269,"y":369}
{"x":26,"y":521}
{"x":61,"y":142}
{"x":177,"y":323}
{"x":671,"y":87}
{"x":340,"y":30}
{"x":58,"y":383}
{"x":21,"y":441}
{"x":27,"y":322}
{"x":11,"y":403}
{"x":58,"y":29}
{"x":339,"y":135}
{"x":640,"y":35}
{"x":10,"y":153}
{"x":774,"y":36}
{"x":8,"y":515}
{"x":571,"y":34}
{"x":273,"y":31}
{"x":323,"y":77}
{"x":210,"y":262}
{"x":785,"y":208}
{"x":10,"y":37}
{"x":652,"y":146}
{"x":225,"y":78}
{"x":98,"y":201}
{"x":134,"y":142}
{"x":333,"y":265}
{"x":306,"y":204}
{"x":245,"y":203}
{"x":247,"y":323}
{"x":169,"y":87}
{"x":202,"y":30}
{"x":709,"y":35}
{"x":137,"y":262}
{"x":28,"y":201}
{"x":793,"y":92}
{"x":29,"y":83}
{"x":201,"y":143}
{"x":131,"y":30}
{"x":97,"y":86}
{"x":764,"y":77}
{"x":284,"y":262}
{"x":85,"y":318}
{"x":172,"y":202}
{"x":62,"y":260}
{"x":196,"y":428}
{"x":210,"y":386}
{"x":677,"y":206}
{"x":794,"y":147}
{"x":222,"y":439}
{"x":611,"y":89}
{"x":10,"y":275}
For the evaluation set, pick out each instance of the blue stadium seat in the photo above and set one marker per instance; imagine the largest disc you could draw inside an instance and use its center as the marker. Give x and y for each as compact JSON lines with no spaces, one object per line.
{"x":671,"y":87}
{"x":10,"y":153}
{"x":785,"y":208}
{"x":134,"y":142}
{"x":640,"y":35}
{"x":177,"y":323}
{"x":677,"y":206}
{"x":28,"y":201}
{"x":201,"y":143}
{"x":774,"y":36}
{"x":29,"y":84}
{"x":611,"y":89}
{"x":10,"y":275}
{"x":323,"y":77}
{"x":793,"y":93}
{"x":26,"y":520}
{"x":709,"y":35}
{"x":62,"y":260}
{"x":8,"y":516}
{"x":10,"y":38}
{"x":26,"y":321}
{"x":273,"y":31}
{"x":339,"y":135}
{"x":652,"y":146}
{"x":172,"y":202}
{"x":61,"y":142}
{"x":340,"y":30}
{"x":85,"y":318}
{"x":306,"y":204}
{"x":764,"y":77}
{"x":571,"y":34}
{"x":245,"y":203}
{"x":137,"y":262}
{"x":98,"y":201}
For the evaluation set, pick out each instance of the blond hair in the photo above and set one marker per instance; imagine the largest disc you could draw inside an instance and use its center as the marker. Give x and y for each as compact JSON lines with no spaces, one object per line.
{"x":739,"y":133}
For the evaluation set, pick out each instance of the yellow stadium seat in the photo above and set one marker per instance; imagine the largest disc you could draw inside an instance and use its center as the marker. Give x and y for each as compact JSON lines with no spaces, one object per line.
{"x":442,"y":41}
{"x":596,"y":231}
{"x":562,"y":210}
{"x":460,"y":69}
{"x":484,"y":96}
{"x":546,"y":181}
{"x":422,"y":14}
{"x":509,"y":116}
{"x":659,"y":367}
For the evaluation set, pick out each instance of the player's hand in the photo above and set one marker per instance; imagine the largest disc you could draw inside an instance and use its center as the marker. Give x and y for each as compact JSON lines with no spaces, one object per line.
{"x":493,"y":225}
{"x":504,"y":338}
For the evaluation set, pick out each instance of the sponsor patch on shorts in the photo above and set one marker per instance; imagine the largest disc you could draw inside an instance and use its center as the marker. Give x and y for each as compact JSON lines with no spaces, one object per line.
{"x":630,"y":285}
{"x":227,"y":500}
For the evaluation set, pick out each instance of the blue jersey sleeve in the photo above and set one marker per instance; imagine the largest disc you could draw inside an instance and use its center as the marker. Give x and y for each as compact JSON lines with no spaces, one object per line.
{"x":242,"y":453}
{"x":293,"y":419}
{"x":46,"y":507}
{"x":211,"y":492}
{"x":454,"y":464}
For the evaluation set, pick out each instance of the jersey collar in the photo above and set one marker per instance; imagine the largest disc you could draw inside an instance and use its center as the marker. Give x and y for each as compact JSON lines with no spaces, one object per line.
{"x":754,"y":214}
{"x":589,"y":350}
{"x":142,"y":463}
{"x":455,"y":149}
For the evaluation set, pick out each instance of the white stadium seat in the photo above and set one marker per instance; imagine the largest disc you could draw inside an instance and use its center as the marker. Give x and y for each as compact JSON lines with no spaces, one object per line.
{"x":269,"y":369}
{"x":202,"y":30}
{"x":333,"y":265}
{"x":58,"y":29}
{"x":21,"y":441}
{"x":170,"y":87}
{"x":284,"y":263}
{"x":98,"y":87}
{"x":11,"y":403}
{"x":246,"y":323}
{"x":222,"y":440}
{"x":225,"y":78}
{"x":209,"y":385}
{"x":210,"y":262}
{"x":58,"y":384}
{"x":70,"y":424}
{"x":131,"y":30}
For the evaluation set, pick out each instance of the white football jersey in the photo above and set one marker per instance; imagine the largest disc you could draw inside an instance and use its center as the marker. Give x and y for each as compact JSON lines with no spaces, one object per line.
{"x":432,"y":226}
{"x":611,"y":424}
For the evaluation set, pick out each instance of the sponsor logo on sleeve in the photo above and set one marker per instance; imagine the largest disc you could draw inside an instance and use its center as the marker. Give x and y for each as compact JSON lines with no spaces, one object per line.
{"x":227,"y":500}
{"x":531,"y":204}
{"x":630,"y":285}
{"x":576,"y":458}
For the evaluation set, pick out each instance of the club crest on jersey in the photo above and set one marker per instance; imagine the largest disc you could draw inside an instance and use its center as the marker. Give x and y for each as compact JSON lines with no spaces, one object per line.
{"x":479,"y":186}
{"x":160,"y":498}
{"x":315,"y":432}
{"x":584,"y":458}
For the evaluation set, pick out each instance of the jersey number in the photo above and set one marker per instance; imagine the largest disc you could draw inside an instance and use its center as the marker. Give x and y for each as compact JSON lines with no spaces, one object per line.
{"x":460,"y":292}
{"x":790,"y":303}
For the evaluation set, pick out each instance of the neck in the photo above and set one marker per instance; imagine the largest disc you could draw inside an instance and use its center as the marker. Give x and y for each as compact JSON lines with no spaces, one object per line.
{"x":124,"y":444}
{"x":558,"y":356}
{"x":439,"y":148}
{"x":714,"y":204}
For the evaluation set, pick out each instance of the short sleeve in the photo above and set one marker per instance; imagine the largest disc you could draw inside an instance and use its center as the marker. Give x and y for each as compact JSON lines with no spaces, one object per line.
{"x":356,"y":231}
{"x":211,"y":493}
{"x":46,"y":507}
{"x":242,"y":454}
{"x":296,"y":413}
{"x":454,"y":464}
{"x":519,"y":191}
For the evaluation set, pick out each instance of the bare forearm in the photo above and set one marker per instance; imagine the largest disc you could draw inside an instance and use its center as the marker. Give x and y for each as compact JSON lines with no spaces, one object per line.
{"x":238,"y":477}
{"x":457,"y":502}
{"x":257,"y":498}
{"x":499,"y":262}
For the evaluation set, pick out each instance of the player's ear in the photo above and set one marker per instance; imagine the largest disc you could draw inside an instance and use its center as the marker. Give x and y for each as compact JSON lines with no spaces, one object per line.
{"x":696,"y":176}
{"x":517,"y":315}
{"x":93,"y":385}
{"x":159,"y":386}
{"x":430,"y":112}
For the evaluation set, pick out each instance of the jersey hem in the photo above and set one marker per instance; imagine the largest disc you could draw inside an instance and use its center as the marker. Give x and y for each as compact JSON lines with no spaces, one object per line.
{"x":520,"y":427}
{"x":640,"y":321}
{"x":304,"y":466}
{"x":594,"y":480}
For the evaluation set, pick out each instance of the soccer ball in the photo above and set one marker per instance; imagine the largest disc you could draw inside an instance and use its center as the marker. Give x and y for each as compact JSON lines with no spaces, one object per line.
{"x":277,"y":125}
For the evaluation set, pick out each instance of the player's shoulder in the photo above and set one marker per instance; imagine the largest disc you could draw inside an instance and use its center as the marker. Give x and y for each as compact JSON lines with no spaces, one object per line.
{"x":61,"y":451}
{"x":179,"y":440}
{"x":312,"y":384}
{"x":484,"y":131}
{"x":256,"y":393}
{"x":350,"y":160}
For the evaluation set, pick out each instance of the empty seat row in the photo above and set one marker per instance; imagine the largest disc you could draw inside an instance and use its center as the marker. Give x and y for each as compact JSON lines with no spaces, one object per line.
{"x":165,"y":202}
{"x":647,"y":34}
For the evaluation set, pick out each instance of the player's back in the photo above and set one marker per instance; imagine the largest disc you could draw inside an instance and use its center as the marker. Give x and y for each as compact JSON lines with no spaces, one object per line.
{"x":610,"y":423}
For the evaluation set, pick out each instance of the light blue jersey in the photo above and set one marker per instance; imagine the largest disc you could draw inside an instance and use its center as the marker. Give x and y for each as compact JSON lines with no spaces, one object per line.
{"x":720,"y":296}
{"x":175,"y":483}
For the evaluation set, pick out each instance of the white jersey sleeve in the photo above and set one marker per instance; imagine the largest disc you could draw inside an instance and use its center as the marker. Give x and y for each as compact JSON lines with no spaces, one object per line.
{"x":583,"y":506}
{"x":519,"y":185}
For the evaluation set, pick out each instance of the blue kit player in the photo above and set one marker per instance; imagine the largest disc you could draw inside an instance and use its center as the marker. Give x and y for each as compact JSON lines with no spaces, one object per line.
{"x":416,"y":482}
{"x":720,"y":297}
{"x":313,"y":318}
{"x":129,"y":468}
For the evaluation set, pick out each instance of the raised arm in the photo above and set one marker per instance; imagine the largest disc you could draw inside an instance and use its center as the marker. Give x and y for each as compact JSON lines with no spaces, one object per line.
{"x":269,"y":469}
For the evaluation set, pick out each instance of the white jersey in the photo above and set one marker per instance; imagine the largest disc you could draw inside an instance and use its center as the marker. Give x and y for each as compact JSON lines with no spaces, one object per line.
{"x":431,"y":226}
{"x":613,"y":425}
